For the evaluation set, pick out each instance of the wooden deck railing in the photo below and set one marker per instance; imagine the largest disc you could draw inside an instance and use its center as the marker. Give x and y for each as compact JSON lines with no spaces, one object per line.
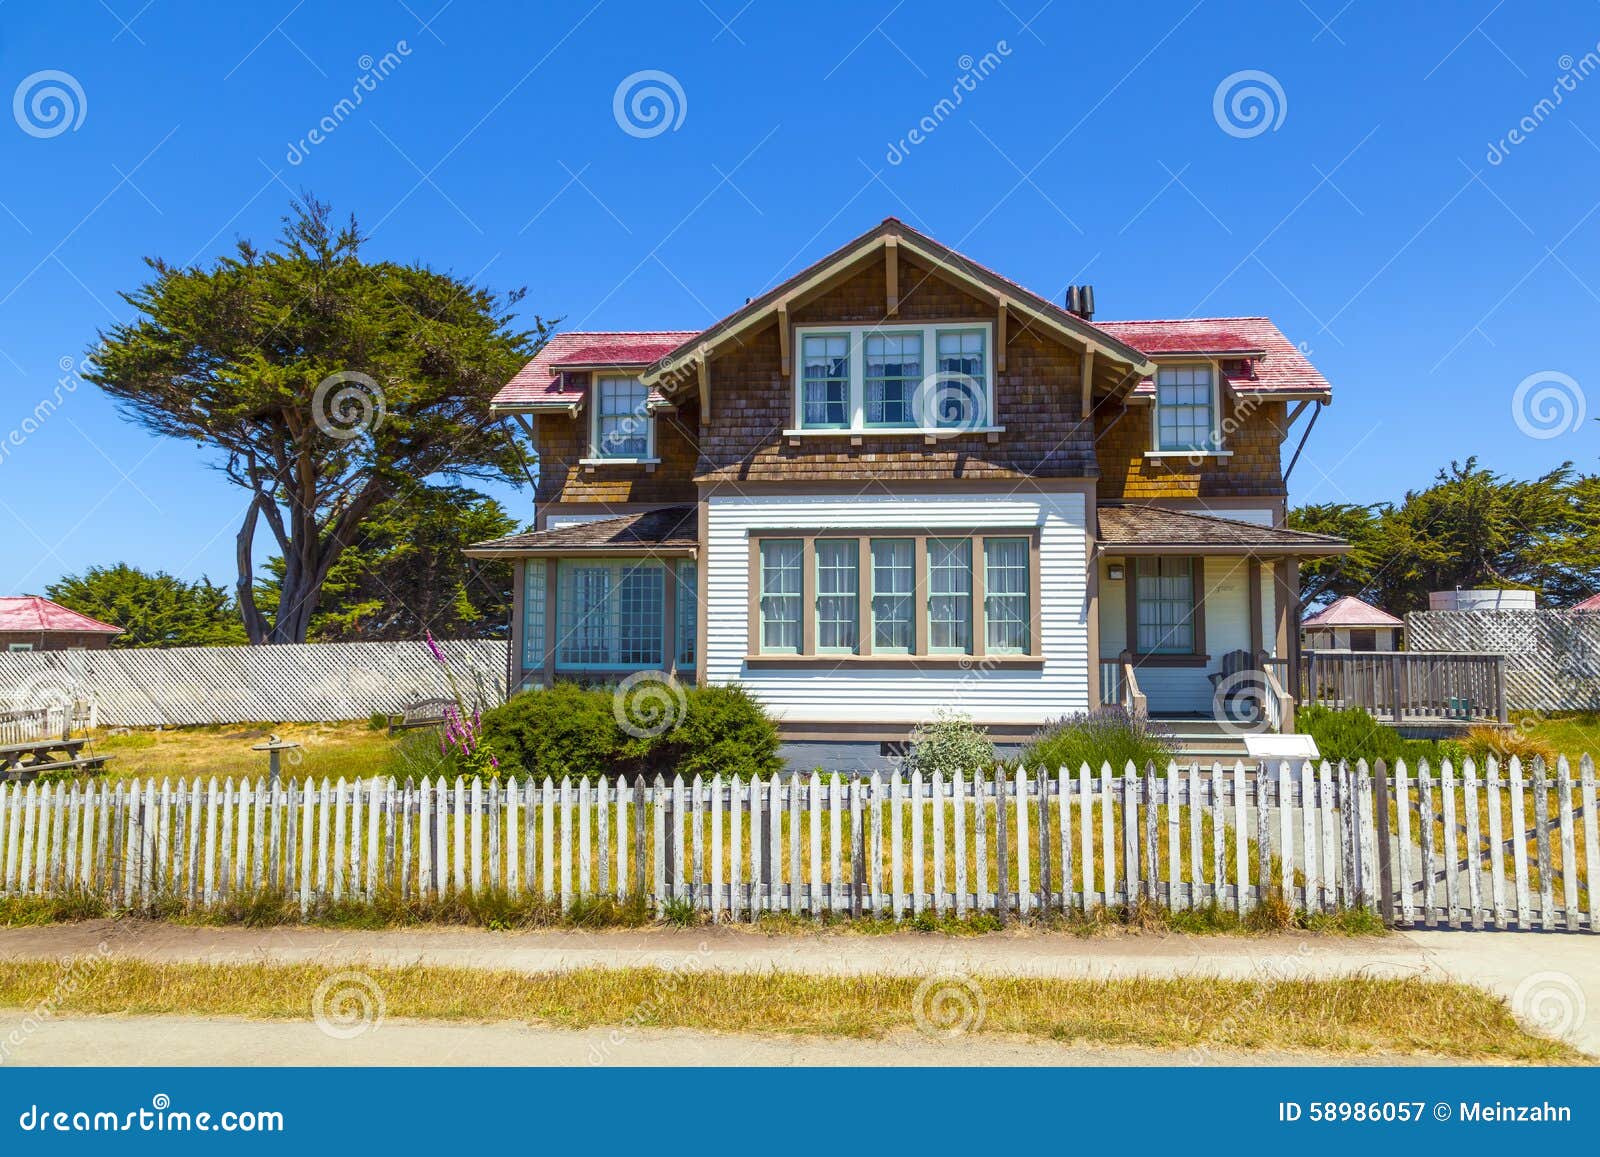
{"x":1408,"y":686}
{"x":1119,"y":685}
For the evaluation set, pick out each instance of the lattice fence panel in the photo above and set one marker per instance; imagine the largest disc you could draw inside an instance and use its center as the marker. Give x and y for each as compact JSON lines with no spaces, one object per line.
{"x":1553,"y":657}
{"x":311,"y":682}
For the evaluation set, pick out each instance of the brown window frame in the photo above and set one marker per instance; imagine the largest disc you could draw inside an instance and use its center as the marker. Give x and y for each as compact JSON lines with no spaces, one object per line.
{"x":920,"y":655}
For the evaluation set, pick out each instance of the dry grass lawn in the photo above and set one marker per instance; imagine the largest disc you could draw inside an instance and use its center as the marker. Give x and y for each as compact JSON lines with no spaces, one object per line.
{"x":327,"y":749}
{"x":1337,"y":1017}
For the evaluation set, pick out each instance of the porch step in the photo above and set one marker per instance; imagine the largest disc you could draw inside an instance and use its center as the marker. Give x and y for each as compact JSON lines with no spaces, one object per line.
{"x":1203,"y":739}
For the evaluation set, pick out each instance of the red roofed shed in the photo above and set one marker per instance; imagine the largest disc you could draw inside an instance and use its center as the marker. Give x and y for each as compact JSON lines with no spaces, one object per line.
{"x":32,"y":623}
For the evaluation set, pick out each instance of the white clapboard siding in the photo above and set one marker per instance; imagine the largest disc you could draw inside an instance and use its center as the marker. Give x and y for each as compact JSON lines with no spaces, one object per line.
{"x":1004,"y":842}
{"x":873,"y":696}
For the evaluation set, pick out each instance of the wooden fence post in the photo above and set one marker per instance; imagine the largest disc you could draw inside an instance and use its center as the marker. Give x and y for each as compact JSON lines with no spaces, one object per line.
{"x":1385,"y":855}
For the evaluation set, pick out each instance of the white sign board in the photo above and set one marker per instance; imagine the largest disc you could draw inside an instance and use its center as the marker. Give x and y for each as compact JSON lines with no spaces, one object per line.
{"x":1274,"y":747}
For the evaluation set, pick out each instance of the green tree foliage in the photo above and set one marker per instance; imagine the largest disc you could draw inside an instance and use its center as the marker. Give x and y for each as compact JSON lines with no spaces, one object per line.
{"x":1471,"y":528}
{"x":406,"y":573}
{"x":153,"y":610}
{"x":327,"y":385}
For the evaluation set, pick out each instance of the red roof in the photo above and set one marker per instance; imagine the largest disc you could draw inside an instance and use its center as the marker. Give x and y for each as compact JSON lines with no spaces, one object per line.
{"x":31,"y":613}
{"x":1278,"y":366}
{"x":1592,"y":603}
{"x":1352,"y":612}
{"x":541,"y":380}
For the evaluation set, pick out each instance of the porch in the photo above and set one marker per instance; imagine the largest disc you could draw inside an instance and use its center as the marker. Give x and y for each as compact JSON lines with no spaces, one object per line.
{"x":1198,"y":616}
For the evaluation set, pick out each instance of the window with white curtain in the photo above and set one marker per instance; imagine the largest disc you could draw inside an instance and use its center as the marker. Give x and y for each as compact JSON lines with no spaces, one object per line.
{"x":780,"y":594}
{"x":838,"y":563}
{"x":949,"y":595}
{"x":1164,"y":594}
{"x":534,"y":572}
{"x":609,"y":614}
{"x":893,"y":587}
{"x":825,"y":381}
{"x":1005,"y":595}
{"x":893,"y":375}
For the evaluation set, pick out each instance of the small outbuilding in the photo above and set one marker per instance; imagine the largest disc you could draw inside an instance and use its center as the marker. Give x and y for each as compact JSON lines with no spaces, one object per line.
{"x":1592,"y":603}
{"x":32,"y":623}
{"x":1349,"y":624}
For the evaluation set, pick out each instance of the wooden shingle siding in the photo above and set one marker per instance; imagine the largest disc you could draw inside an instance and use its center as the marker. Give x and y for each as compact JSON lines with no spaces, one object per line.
{"x":563,"y":442}
{"x":1254,"y":470}
{"x":1037,"y":399}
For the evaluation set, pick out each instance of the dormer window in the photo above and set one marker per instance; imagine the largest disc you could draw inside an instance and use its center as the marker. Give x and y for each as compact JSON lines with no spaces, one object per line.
{"x":1186,"y":411}
{"x":920,"y":379}
{"x":623,"y":428}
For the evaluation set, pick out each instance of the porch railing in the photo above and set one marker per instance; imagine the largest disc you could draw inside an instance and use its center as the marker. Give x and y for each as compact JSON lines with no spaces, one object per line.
{"x":1277,"y":703}
{"x":1119,"y":686}
{"x":1408,"y":686}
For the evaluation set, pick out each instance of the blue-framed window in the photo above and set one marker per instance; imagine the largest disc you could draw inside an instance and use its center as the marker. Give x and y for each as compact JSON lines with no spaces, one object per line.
{"x":609,"y":614}
{"x":782,"y":560}
{"x":825,"y":381}
{"x":894,"y":567}
{"x":1006,"y":579}
{"x":949,"y":596}
{"x":838,"y":594}
{"x":687,"y":607}
{"x":534,"y":572}
{"x":893,"y":375}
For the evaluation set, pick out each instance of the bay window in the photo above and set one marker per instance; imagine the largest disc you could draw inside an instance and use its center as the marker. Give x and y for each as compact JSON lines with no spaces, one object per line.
{"x":887,"y":595}
{"x":882,"y":379}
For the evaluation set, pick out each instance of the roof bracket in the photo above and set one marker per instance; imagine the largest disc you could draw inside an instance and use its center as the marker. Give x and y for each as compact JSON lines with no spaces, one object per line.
{"x":783,"y":335}
{"x":1001,"y":303}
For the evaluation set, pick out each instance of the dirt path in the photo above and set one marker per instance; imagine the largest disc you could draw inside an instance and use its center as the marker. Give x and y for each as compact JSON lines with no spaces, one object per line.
{"x":1549,"y":978}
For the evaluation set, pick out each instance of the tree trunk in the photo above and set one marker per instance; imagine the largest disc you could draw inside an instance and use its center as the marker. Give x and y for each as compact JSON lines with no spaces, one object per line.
{"x":255,"y":624}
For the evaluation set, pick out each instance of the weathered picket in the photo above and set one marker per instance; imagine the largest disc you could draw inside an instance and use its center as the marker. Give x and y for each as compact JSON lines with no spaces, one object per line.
{"x":1003,"y":843}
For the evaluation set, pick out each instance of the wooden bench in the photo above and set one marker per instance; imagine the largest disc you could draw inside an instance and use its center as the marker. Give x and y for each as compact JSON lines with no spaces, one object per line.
{"x":22,"y":773}
{"x":422,"y":713}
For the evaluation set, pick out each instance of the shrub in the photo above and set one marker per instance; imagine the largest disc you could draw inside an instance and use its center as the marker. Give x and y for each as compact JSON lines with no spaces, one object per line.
{"x":1110,"y":735}
{"x":1353,"y":734}
{"x":564,"y":729}
{"x":724,"y":729}
{"x":1506,"y":743}
{"x":951,"y":745}
{"x":568,"y":729}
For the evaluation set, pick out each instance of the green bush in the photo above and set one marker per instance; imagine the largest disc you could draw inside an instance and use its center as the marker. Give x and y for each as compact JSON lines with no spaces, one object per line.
{"x":951,"y":745}
{"x":1110,"y":735}
{"x":565,"y":729}
{"x":569,"y":729}
{"x":1351,"y":734}
{"x":723,"y":730}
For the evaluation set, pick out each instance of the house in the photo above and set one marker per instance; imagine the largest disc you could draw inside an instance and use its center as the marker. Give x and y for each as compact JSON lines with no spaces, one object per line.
{"x":1348,"y":624}
{"x":900,"y":482}
{"x":31,"y":623}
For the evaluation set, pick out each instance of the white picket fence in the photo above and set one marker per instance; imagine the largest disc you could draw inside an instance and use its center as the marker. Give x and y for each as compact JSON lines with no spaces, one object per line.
{"x":20,"y":724}
{"x":892,"y":846}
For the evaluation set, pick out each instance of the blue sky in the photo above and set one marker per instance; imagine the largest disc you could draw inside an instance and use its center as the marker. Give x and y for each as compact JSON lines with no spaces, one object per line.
{"x":1425,"y":279}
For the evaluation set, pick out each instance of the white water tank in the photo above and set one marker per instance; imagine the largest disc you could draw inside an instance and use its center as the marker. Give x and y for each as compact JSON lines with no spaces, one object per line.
{"x":1492,"y":600}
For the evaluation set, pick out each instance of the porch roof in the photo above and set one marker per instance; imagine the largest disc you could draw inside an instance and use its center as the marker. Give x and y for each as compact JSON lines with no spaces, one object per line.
{"x":1136,"y":529}
{"x":668,"y":530}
